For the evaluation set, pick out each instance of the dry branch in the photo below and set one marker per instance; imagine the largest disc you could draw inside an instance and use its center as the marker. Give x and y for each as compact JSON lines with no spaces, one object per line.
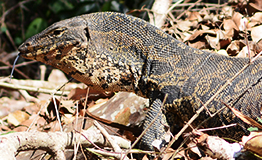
{"x":33,"y":86}
{"x":53,"y":142}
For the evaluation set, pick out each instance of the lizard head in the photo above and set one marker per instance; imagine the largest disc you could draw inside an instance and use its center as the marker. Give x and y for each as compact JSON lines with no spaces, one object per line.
{"x":55,"y":39}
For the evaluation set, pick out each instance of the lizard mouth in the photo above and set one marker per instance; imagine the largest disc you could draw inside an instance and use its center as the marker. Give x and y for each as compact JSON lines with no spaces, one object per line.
{"x":26,"y":50}
{"x":32,"y":51}
{"x":35,"y":52}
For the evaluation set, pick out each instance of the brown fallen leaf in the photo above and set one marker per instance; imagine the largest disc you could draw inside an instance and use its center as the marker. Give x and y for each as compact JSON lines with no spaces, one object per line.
{"x":244,"y":118}
{"x":213,"y":42}
{"x":252,"y":50}
{"x":259,"y":46}
{"x":235,"y":47}
{"x":17,"y":117}
{"x":184,"y":25}
{"x":230,"y":28}
{"x":78,"y":93}
{"x":256,"y":33}
{"x":254,"y":6}
{"x":57,"y":76}
{"x":199,"y":33}
{"x":255,"y":19}
{"x":201,"y":44}
{"x":229,"y":24}
{"x":236,"y":18}
{"x":193,"y":16}
{"x":253,"y":142}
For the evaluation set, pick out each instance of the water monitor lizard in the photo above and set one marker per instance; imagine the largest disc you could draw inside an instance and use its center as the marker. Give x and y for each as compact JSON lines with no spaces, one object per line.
{"x":117,"y":52}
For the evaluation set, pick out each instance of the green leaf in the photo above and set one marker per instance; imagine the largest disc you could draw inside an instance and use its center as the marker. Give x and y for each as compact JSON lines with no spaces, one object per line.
{"x":35,"y":27}
{"x":60,"y":5}
{"x":259,"y":120}
{"x":7,"y":133}
{"x":3,"y":29}
{"x":100,"y":155}
{"x":251,"y":129}
{"x":113,"y":5}
{"x":18,"y":40}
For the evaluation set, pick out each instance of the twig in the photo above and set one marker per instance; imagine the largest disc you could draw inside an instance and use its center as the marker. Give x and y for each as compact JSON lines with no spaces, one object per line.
{"x":215,"y":128}
{"x":115,"y":146}
{"x":28,"y":97}
{"x":2,"y":21}
{"x":76,"y":144}
{"x":12,"y":8}
{"x":45,"y":105}
{"x":32,"y":89}
{"x":17,"y":65}
{"x":96,"y":146}
{"x":114,"y":154}
{"x":57,"y":113}
{"x":82,"y":122}
{"x":121,"y":141}
{"x":17,"y":70}
{"x":178,"y":17}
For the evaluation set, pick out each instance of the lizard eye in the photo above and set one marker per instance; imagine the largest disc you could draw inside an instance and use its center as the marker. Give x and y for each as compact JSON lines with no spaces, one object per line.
{"x":58,"y":32}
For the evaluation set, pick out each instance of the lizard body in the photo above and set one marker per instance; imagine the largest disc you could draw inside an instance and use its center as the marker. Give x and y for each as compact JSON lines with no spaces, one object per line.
{"x":116,"y":52}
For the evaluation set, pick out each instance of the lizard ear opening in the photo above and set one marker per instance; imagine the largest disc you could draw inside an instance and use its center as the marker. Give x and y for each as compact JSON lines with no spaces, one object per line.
{"x":87,"y":33}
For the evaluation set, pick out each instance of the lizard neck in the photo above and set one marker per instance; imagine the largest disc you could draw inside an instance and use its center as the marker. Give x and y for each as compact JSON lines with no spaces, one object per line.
{"x":100,"y":71}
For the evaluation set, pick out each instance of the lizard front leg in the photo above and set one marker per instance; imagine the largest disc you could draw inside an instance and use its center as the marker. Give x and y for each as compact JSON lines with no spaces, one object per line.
{"x":156,"y":130}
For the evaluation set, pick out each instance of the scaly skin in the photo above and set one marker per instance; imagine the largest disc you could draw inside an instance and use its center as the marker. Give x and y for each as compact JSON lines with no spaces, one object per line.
{"x":117,"y":52}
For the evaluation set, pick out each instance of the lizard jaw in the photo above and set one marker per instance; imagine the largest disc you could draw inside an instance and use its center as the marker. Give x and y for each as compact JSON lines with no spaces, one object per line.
{"x":38,"y":52}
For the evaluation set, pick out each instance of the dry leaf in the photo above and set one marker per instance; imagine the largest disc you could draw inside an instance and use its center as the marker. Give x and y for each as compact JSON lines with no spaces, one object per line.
{"x":258,"y":46}
{"x":236,"y":18}
{"x":199,"y":33}
{"x":245,"y":118}
{"x":198,"y":44}
{"x":222,"y":52}
{"x":67,"y":106}
{"x":78,"y":93}
{"x":256,"y":19}
{"x":217,"y":147}
{"x":17,"y":117}
{"x":57,"y":76}
{"x":253,"y":142}
{"x":244,"y":52}
{"x":213,"y":42}
{"x":230,"y":28}
{"x":235,"y":47}
{"x":256,"y":33}
{"x":184,"y":25}
{"x":227,"y":11}
{"x":255,"y":5}
{"x":204,"y":27}
{"x":229,"y":24}
{"x":193,"y":16}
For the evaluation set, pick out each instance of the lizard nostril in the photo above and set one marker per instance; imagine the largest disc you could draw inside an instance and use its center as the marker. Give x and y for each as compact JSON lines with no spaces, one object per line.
{"x":27,"y":44}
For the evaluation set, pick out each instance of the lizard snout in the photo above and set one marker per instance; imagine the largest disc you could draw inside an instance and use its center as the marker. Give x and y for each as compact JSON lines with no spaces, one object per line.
{"x":25,"y":47}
